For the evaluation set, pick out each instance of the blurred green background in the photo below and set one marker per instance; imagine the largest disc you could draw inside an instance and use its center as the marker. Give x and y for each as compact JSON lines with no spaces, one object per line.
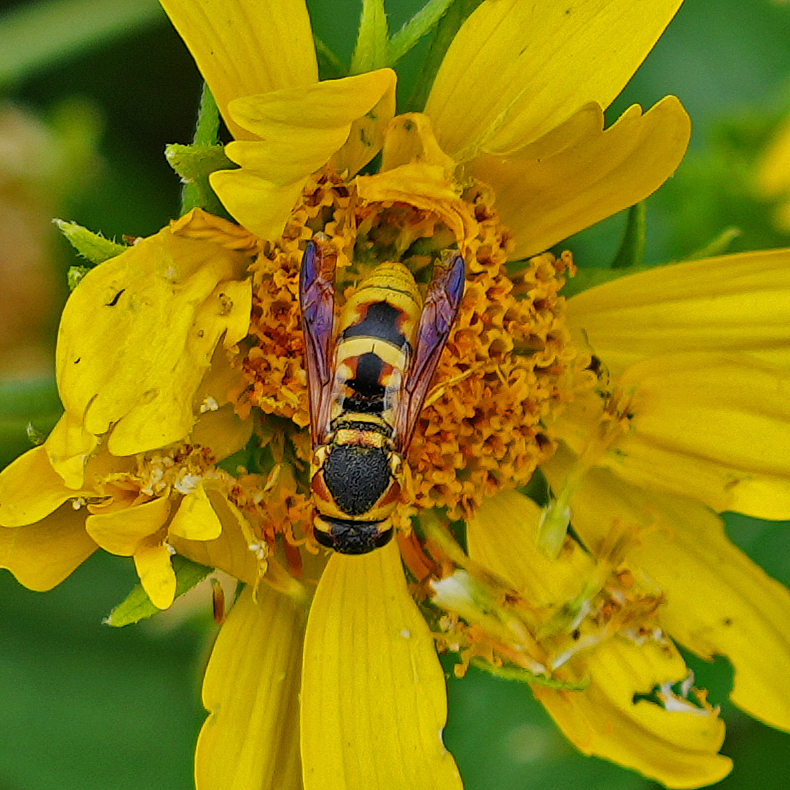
{"x":90,"y":93}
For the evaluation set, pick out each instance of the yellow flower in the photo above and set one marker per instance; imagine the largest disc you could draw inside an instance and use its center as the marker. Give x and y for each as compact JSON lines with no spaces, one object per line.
{"x":325,"y":673}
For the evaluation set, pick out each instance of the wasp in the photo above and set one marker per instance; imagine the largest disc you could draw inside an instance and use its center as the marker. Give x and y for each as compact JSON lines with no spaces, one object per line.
{"x":367,"y":381}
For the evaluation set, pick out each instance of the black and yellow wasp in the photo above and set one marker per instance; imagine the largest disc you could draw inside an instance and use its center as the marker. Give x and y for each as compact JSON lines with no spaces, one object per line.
{"x":367,"y":382}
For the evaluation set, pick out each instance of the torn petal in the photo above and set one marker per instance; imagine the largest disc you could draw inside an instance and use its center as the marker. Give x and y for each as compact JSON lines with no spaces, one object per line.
{"x":718,"y":602}
{"x":138,"y":333}
{"x":677,"y":747}
{"x":581,"y":173}
{"x":505,"y":80}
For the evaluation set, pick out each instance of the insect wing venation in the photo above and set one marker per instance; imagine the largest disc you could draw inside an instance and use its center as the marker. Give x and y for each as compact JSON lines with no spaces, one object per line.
{"x":317,"y":302}
{"x":437,"y":319}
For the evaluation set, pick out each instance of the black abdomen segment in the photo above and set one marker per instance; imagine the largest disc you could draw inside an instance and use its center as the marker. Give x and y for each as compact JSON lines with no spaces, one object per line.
{"x":367,"y":395}
{"x":356,"y":476}
{"x":381,"y":320}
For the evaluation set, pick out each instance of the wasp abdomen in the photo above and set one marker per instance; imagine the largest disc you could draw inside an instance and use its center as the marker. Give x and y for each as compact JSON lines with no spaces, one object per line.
{"x":365,"y":393}
{"x":357,"y":476}
{"x":381,"y":320}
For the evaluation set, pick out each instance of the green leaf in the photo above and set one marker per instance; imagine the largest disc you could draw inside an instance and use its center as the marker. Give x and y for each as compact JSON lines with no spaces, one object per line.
{"x":208,"y":121}
{"x":195,"y":162}
{"x":420,"y":24}
{"x":34,"y":36}
{"x":91,"y":246}
{"x":632,"y":248}
{"x":372,"y":47}
{"x":138,"y":606}
{"x":443,"y":36}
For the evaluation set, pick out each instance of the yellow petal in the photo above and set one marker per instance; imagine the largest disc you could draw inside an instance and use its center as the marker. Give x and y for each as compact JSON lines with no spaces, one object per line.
{"x":292,"y":133}
{"x":223,"y":431}
{"x":42,"y":555}
{"x":198,"y":224}
{"x":676,"y":747}
{"x":249,"y":47}
{"x":137,"y":336}
{"x":410,"y":139}
{"x":733,"y":303}
{"x":373,"y":692}
{"x":69,"y":447}
{"x":719,"y":485}
{"x":171,"y":409}
{"x":236,"y":297}
{"x":503,"y":537}
{"x":718,"y":602}
{"x":579,"y":174}
{"x":251,"y":688}
{"x":705,"y":409}
{"x":229,"y":552}
{"x":30,"y":489}
{"x":516,"y":70}
{"x":195,"y":518}
{"x":366,"y":136}
{"x":152,"y":561}
{"x":121,"y":531}
{"x":253,"y":200}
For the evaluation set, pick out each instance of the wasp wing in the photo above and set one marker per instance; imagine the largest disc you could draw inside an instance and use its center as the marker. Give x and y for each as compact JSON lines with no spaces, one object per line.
{"x":438,"y":315}
{"x":317,"y":302}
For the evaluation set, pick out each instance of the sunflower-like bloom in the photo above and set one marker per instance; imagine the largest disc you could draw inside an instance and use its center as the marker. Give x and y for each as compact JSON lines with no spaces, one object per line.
{"x":633,"y":398}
